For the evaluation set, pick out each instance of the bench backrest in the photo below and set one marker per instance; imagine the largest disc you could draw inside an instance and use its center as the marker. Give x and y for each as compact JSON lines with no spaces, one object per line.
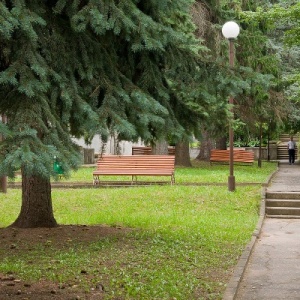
{"x":141,"y":150}
{"x":238,"y":155}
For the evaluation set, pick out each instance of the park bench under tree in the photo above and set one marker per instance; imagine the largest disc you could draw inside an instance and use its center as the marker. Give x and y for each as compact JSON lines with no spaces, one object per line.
{"x":142,"y":150}
{"x":134,"y":166}
{"x":240,"y":156}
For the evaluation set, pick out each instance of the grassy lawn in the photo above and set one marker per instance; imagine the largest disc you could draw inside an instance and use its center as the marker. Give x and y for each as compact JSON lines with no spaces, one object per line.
{"x":201,"y":172}
{"x":183,"y":242}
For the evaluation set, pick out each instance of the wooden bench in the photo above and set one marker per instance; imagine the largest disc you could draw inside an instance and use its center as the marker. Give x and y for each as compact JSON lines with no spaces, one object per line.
{"x":239,"y":156}
{"x":142,"y":150}
{"x":135,"y":165}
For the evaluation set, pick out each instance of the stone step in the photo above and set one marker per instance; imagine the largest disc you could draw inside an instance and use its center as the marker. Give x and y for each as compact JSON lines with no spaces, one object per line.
{"x":283,"y":157}
{"x":283,"y":216}
{"x":283,"y":203}
{"x":286,"y":137}
{"x":283,"y":195}
{"x":282,"y":153}
{"x":283,"y":149}
{"x":290,"y":211}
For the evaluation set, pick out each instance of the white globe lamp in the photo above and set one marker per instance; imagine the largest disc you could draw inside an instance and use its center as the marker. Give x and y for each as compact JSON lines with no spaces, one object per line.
{"x":230,"y":30}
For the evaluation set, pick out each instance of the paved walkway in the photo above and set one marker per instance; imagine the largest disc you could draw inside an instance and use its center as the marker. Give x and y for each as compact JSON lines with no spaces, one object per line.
{"x":273,"y":259}
{"x":287,"y":179}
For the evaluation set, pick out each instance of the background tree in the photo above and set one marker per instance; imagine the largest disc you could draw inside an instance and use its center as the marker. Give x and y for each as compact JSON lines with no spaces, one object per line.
{"x":207,"y":17}
{"x":280,"y":23}
{"x":255,"y":82}
{"x":220,"y":80}
{"x":283,"y":19}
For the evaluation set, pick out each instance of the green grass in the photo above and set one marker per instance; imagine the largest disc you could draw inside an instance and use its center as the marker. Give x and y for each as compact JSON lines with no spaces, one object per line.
{"x":201,"y":172}
{"x":184,"y":243}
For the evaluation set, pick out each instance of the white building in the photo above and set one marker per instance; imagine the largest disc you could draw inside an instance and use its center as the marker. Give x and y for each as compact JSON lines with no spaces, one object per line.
{"x":111,"y":147}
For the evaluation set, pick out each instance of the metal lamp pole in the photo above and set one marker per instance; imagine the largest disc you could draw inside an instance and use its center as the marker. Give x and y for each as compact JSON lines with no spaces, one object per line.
{"x":230,"y":31}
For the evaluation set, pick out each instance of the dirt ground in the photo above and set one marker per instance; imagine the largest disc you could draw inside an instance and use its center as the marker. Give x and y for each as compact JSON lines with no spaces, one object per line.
{"x":12,"y":287}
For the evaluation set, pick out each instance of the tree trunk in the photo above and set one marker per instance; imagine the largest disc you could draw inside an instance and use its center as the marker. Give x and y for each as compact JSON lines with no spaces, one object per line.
{"x":221,"y":143}
{"x":88,"y":156}
{"x":206,"y":145}
{"x":260,"y":142}
{"x":182,"y":154}
{"x":36,"y":210}
{"x":3,"y":179}
{"x":160,"y":147}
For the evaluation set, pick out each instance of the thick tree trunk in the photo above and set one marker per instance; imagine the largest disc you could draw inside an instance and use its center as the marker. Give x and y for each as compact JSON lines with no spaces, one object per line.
{"x":3,"y":179}
{"x":221,"y":143}
{"x":182,"y":154}
{"x":260,"y":142}
{"x":88,"y":156}
{"x":36,"y":210}
{"x":206,"y":145}
{"x":160,"y":147}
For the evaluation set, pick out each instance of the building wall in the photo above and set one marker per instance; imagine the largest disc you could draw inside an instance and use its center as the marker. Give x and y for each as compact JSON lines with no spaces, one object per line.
{"x":110,"y":147}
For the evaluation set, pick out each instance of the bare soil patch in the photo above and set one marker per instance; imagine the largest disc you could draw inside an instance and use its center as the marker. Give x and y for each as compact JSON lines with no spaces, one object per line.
{"x":15,"y":239}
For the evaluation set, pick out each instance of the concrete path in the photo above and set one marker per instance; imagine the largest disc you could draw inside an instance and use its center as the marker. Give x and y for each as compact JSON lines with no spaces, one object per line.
{"x":271,"y":268}
{"x":287,"y":179}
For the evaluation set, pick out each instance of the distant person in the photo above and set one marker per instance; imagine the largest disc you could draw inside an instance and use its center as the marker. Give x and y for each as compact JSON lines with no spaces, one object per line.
{"x":291,"y":145}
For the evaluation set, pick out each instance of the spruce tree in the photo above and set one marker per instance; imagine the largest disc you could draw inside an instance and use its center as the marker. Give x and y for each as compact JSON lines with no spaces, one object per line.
{"x":256,"y":82}
{"x":80,"y":68}
{"x":279,"y":26}
{"x":283,"y":20}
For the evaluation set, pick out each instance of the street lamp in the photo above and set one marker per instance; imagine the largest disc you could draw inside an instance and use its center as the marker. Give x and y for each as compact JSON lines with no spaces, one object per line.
{"x":230,"y":31}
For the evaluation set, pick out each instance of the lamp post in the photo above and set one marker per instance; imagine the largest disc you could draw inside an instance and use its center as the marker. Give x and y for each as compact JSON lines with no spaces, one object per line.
{"x":230,"y":31}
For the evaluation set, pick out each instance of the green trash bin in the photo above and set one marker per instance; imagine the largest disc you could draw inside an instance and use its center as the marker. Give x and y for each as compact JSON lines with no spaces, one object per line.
{"x":57,"y":168}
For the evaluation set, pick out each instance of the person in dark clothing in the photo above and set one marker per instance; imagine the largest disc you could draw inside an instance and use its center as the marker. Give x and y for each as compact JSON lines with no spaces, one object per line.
{"x":291,"y":145}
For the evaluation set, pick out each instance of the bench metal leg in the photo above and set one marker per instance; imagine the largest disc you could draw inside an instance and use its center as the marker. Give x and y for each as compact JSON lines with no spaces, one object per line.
{"x":133,"y":179}
{"x":172,"y":179}
{"x":96,"y":180}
